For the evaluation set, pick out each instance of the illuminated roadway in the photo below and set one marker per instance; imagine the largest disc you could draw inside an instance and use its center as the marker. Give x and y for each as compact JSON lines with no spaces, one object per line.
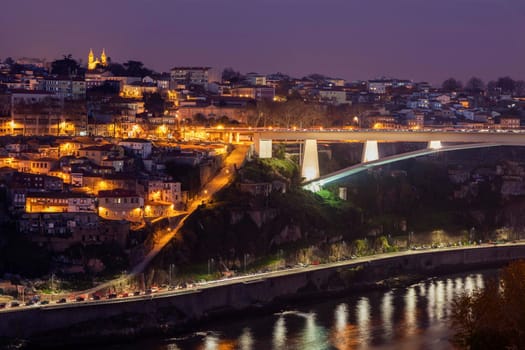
{"x":508,"y":137}
{"x":254,"y":278}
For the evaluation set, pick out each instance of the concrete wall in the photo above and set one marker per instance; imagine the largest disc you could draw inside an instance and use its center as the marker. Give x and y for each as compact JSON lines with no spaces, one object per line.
{"x":81,"y":321}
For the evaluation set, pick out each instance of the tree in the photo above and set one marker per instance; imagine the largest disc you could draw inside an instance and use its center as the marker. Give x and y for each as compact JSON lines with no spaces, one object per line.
{"x":493,"y":317}
{"x":475,"y":85}
{"x":451,"y":84}
{"x":67,"y":66}
{"x":136,"y":69}
{"x":519,"y":89}
{"x":228,"y":74}
{"x":154,"y":103}
{"x":506,"y":85}
{"x":117,"y":69}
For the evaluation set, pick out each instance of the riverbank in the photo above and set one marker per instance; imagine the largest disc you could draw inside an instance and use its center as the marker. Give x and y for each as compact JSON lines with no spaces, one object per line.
{"x":124,"y":320}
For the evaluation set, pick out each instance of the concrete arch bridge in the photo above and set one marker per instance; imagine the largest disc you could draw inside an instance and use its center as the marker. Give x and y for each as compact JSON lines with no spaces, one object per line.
{"x":461,"y":140}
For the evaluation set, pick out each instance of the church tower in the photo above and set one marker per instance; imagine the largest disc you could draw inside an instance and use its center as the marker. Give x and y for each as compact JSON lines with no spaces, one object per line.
{"x":92,"y":64}
{"x":103,"y":58}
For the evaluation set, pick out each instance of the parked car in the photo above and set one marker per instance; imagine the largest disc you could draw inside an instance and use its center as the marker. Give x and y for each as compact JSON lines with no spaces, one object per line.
{"x":79,"y":299}
{"x":2,"y":305}
{"x":15,"y":304}
{"x":62,"y":301}
{"x":44,"y":302}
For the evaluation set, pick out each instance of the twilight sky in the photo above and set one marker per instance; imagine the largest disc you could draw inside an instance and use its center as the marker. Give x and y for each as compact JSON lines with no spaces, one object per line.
{"x":352,"y":39}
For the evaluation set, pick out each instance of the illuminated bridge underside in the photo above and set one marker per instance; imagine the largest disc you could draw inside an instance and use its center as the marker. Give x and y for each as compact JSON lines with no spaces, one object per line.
{"x":316,"y":185}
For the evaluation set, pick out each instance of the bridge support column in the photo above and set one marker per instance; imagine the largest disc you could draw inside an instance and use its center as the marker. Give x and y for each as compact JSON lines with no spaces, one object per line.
{"x":434,"y":144}
{"x":310,"y":167}
{"x":230,"y":137}
{"x":370,"y":152}
{"x":237,"y":137}
{"x":265,"y":148}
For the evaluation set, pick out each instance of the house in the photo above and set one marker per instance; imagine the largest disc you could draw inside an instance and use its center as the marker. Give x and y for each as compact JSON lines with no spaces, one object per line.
{"x":58,"y":231}
{"x":258,"y":93}
{"x":333,"y":96}
{"x":48,"y":202}
{"x":139,"y":147}
{"x":65,"y":88}
{"x":509,"y":122}
{"x":189,"y":76}
{"x":120,"y":204}
{"x":98,"y":153}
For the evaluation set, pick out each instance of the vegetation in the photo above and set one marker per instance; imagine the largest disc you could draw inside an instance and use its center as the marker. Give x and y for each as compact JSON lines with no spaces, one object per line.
{"x":493,"y":317}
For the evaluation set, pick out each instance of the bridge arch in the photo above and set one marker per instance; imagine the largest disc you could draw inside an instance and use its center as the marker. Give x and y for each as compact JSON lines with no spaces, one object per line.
{"x":317,"y":184}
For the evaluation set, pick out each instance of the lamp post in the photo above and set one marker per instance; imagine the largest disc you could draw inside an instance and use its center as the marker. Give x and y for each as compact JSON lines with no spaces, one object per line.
{"x":245,"y":258}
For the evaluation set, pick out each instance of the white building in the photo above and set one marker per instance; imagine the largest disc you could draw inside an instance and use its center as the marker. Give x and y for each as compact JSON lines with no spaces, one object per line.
{"x":141,"y":148}
{"x":189,"y":76}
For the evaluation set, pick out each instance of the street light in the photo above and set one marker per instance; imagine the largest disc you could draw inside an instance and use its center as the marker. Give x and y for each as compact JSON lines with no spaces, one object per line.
{"x":245,"y":257}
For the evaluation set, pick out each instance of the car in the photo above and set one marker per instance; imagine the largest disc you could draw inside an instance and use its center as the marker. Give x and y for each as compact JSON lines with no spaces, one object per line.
{"x":44,"y":302}
{"x":79,"y":298}
{"x":29,"y":303}
{"x":2,"y":305}
{"x":137,"y":292}
{"x":62,"y":301}
{"x":96,"y":297}
{"x":112,"y":296}
{"x":15,"y":304}
{"x":125,"y":295}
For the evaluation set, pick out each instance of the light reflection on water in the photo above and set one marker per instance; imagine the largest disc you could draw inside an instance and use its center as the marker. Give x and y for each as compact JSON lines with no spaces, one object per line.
{"x":415,"y":317}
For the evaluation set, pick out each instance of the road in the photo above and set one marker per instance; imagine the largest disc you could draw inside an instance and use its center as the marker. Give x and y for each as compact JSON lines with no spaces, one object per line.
{"x":234,"y":160}
{"x":253,"y":278}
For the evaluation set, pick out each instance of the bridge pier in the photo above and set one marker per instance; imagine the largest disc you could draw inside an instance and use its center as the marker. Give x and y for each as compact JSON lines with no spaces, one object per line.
{"x":434,"y":145}
{"x":310,"y":166}
{"x":263,"y":148}
{"x":237,"y":137}
{"x":230,"y":137}
{"x":370,"y":151}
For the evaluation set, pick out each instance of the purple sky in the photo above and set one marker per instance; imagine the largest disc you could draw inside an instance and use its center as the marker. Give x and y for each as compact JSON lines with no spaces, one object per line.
{"x":352,"y":39}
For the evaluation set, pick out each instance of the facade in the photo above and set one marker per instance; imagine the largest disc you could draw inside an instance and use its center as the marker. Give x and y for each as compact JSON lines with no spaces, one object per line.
{"x":59,"y":231}
{"x":164,"y":191}
{"x":140,"y":147}
{"x":189,"y":76}
{"x":138,"y":89}
{"x":509,"y":122}
{"x":333,"y":96}
{"x":97,"y":154}
{"x":65,"y":88}
{"x":258,"y":93}
{"x":60,"y":203}
{"x":121,"y":205}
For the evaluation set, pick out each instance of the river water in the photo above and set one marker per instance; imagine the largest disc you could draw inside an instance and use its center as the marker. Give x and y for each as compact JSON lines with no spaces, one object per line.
{"x":409,"y":318}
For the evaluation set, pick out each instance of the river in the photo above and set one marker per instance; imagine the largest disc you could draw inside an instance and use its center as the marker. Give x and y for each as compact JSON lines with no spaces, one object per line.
{"x":409,"y":318}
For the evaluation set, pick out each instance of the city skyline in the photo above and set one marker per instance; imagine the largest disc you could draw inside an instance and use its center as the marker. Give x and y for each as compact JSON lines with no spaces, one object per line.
{"x":354,"y":41}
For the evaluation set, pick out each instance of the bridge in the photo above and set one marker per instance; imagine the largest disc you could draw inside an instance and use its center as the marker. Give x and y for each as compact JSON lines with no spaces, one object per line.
{"x":316,"y":184}
{"x":263,"y":140}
